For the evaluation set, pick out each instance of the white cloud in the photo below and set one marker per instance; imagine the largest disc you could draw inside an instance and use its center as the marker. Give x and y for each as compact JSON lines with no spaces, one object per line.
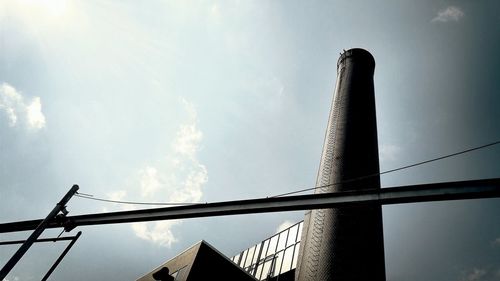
{"x":11,"y":114}
{"x":10,"y":102}
{"x":389,"y":152}
{"x":187,"y":140}
{"x":284,"y":225}
{"x":36,"y":119}
{"x":188,"y":137}
{"x":159,"y":232}
{"x":191,"y":190}
{"x":177,"y":178}
{"x":117,"y":195}
{"x":450,"y":13}
{"x":17,"y":111}
{"x":149,"y":182}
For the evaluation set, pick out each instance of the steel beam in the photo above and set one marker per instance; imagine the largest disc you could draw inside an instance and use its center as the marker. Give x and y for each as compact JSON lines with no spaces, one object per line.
{"x":475,"y":189}
{"x":55,"y":239}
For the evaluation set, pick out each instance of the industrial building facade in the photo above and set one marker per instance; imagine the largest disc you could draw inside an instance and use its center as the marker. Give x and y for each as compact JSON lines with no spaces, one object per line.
{"x":274,"y":258}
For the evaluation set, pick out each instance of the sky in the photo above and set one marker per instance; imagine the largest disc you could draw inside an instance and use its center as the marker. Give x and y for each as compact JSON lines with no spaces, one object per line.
{"x":205,"y":101}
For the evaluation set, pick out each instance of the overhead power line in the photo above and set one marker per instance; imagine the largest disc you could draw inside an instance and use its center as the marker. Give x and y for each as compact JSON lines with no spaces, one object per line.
{"x":91,"y":197}
{"x":393,"y":170}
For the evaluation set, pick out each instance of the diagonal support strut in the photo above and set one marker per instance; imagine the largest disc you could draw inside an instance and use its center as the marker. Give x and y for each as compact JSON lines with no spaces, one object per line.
{"x":38,"y":229}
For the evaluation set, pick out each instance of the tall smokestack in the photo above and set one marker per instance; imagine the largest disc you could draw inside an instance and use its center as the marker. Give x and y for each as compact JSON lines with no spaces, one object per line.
{"x":347,"y":243}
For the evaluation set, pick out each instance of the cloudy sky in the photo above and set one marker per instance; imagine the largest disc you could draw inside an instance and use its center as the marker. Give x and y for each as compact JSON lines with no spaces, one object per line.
{"x":203,"y":101}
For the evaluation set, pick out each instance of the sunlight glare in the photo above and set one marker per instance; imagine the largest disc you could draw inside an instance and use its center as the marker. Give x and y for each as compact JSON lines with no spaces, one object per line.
{"x":40,"y":11}
{"x":49,"y":8}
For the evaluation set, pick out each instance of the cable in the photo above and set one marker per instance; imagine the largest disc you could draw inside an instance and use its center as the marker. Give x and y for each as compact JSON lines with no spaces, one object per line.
{"x":393,"y":170}
{"x":91,"y":197}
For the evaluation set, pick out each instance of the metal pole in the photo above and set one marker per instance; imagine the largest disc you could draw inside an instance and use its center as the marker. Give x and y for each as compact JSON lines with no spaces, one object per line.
{"x":55,"y":239}
{"x":37,"y":232}
{"x":61,"y":257}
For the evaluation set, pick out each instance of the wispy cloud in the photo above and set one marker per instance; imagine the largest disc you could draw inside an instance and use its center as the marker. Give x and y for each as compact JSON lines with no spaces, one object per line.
{"x":179,"y":177}
{"x":451,"y":13}
{"x":284,"y":225}
{"x":34,"y":114}
{"x":188,"y":137}
{"x":149,"y":183}
{"x":159,"y":232}
{"x":117,"y":195}
{"x":16,"y":110}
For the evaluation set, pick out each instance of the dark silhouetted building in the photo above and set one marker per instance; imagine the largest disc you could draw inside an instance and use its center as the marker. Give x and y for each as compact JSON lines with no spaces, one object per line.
{"x":200,"y":262}
{"x":347,"y":243}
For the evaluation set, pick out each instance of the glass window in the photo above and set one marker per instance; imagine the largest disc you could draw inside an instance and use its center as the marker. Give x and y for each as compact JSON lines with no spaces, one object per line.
{"x":265,"y":269}
{"x":235,"y":258}
{"x":258,"y":272}
{"x":243,"y":257}
{"x":277,"y":263}
{"x":282,"y":241}
{"x":292,"y":235}
{"x":264,"y":249}
{"x":296,"y":255}
{"x":281,"y":248}
{"x":272,"y":245}
{"x":248,"y":261}
{"x":287,"y":259}
{"x":256,"y":254}
{"x":251,"y":269}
